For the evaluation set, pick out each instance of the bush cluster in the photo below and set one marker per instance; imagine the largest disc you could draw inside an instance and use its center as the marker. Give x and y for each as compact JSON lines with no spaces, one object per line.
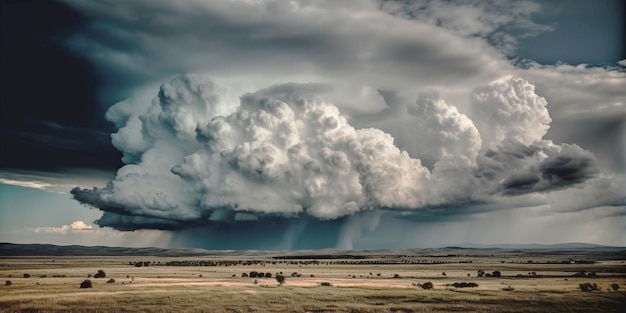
{"x":465,"y":285}
{"x":86,"y":284}
{"x":588,"y":287}
{"x":426,"y":285}
{"x":100,"y":274}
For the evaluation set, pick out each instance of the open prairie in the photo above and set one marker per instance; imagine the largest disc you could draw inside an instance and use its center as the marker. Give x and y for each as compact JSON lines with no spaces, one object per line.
{"x":350,"y":282}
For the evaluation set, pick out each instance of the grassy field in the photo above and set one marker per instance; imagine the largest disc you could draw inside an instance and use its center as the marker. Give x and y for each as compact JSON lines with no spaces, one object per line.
{"x":53,"y":285}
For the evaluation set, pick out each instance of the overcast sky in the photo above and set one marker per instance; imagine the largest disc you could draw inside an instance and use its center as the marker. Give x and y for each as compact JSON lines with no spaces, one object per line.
{"x":313,"y":124}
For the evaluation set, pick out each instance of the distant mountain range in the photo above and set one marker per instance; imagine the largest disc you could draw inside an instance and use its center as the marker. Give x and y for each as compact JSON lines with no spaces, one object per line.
{"x":10,"y":249}
{"x":536,"y":246}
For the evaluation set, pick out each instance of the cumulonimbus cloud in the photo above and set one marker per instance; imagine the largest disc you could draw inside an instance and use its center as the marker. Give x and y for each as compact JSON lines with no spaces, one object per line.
{"x":194,"y":158}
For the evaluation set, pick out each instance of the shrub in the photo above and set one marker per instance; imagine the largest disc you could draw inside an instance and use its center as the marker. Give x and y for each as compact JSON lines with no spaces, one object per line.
{"x":615,"y":287}
{"x":86,"y":284}
{"x":244,"y":274}
{"x":465,"y":285}
{"x":443,"y":274}
{"x":268,"y":275}
{"x":26,"y":276}
{"x":396,"y":276}
{"x":481,"y":273}
{"x":280,"y":279}
{"x":496,"y":274}
{"x":428,"y":285}
{"x":100,"y":274}
{"x":9,"y":283}
{"x":587,"y":287}
{"x":110,"y":281}
{"x":294,"y":274}
{"x":509,"y":288}
{"x":254,"y":274}
{"x":261,"y":275}
{"x":326,"y":284}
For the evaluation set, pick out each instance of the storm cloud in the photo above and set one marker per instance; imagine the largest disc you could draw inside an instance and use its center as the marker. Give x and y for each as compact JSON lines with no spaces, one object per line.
{"x":194,"y":158}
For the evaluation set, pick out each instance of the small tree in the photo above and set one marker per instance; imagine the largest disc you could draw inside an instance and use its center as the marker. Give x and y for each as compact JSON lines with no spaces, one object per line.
{"x":481,"y":273}
{"x":280,"y":279}
{"x":26,"y":276}
{"x":111,"y":281}
{"x":100,"y":274}
{"x":615,"y":287}
{"x":496,"y":274}
{"x":86,"y":284}
{"x":428,"y":285}
{"x":9,"y":283}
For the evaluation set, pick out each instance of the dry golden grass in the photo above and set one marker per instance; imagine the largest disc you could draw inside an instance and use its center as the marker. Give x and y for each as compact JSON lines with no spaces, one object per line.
{"x":214,"y":289}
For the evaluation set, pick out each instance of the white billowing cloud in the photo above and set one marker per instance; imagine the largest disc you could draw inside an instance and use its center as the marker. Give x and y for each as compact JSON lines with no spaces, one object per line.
{"x":284,"y":152}
{"x":442,"y":130}
{"x":428,"y":129}
{"x":278,"y":153}
{"x":76,"y":226}
{"x":509,"y":108}
{"x":305,"y":147}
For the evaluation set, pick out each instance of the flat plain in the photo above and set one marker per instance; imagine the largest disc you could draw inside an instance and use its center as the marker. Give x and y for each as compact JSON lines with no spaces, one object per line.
{"x":366,"y":281}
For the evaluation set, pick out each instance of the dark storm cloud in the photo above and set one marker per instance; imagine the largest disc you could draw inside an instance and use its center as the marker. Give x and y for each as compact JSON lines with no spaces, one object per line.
{"x":539,"y":167}
{"x":150,"y":40}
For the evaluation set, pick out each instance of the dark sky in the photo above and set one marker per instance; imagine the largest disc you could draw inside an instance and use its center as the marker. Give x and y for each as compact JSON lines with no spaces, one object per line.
{"x":49,"y":105}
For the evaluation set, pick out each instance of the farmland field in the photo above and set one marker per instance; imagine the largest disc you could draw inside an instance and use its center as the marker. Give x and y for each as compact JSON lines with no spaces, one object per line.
{"x":368,"y":282}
